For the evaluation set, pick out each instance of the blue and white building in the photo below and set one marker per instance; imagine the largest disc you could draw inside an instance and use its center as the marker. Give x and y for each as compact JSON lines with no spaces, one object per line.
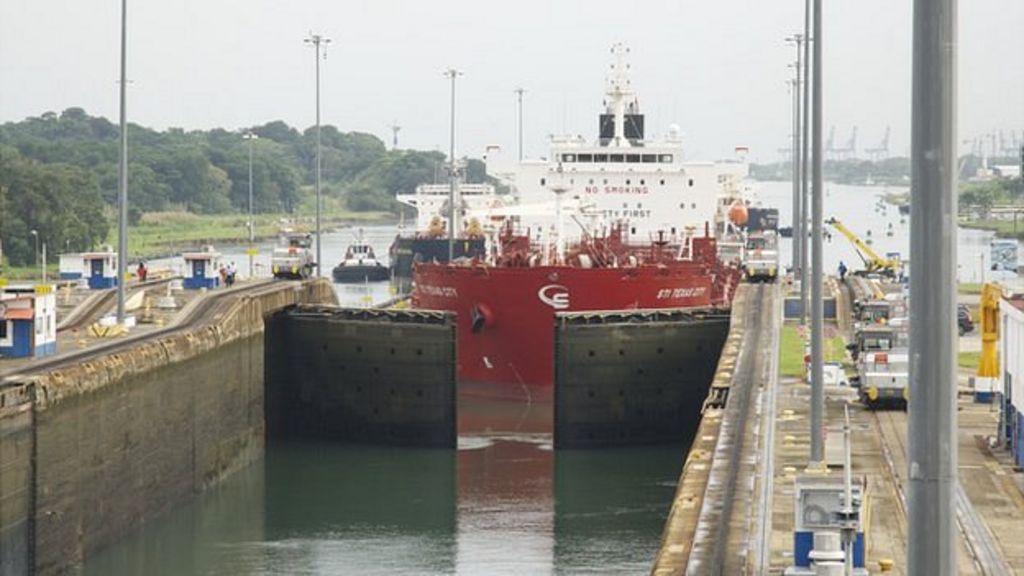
{"x":202,"y":269}
{"x":28,"y":322}
{"x":100,"y":268}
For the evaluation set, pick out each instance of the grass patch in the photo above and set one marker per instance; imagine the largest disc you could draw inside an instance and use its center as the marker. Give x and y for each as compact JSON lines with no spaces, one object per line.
{"x":1002,"y":228}
{"x":792,"y":346}
{"x":791,"y":352}
{"x":969,"y":288}
{"x":161,"y":233}
{"x":968,"y":360}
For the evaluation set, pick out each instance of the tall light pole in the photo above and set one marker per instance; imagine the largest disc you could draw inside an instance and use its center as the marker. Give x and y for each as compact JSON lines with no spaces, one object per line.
{"x":452,"y":74}
{"x":252,"y":236}
{"x":799,"y":236}
{"x":316,"y":40}
{"x":804,"y":161}
{"x":931,"y":415}
{"x":519,"y":108}
{"x":817,"y":303}
{"x":122,"y":189}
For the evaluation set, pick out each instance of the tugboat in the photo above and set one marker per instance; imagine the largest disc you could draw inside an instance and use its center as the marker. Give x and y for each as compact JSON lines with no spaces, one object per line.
{"x":360,"y":265}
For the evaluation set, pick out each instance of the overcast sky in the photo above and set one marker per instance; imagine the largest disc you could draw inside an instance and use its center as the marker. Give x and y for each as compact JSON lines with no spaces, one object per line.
{"x":718,"y":68}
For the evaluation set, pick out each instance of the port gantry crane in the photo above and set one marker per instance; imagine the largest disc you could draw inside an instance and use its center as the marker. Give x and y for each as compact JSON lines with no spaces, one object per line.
{"x":873,"y":263}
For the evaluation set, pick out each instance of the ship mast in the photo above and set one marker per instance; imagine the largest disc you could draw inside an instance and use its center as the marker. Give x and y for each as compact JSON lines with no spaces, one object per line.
{"x":559,"y":188}
{"x":620,"y":94}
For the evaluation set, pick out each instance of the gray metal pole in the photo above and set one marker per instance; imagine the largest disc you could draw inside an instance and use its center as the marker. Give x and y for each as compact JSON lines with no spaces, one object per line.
{"x":805,"y":161}
{"x":252,"y":237}
{"x":519,"y":94}
{"x":931,"y":433}
{"x":817,"y":306}
{"x":452,"y":74}
{"x":122,"y":192}
{"x":316,"y":40}
{"x":798,"y":239}
{"x":795,"y":105}
{"x":319,"y":258}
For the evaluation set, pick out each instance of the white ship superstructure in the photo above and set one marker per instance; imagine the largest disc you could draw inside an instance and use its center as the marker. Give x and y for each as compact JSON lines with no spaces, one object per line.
{"x":431,"y":201}
{"x":647,"y":186}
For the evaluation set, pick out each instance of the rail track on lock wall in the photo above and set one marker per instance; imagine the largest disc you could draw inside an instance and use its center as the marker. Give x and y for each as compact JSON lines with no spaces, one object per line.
{"x":192,"y":315}
{"x":723,"y":526}
{"x":96,"y":305}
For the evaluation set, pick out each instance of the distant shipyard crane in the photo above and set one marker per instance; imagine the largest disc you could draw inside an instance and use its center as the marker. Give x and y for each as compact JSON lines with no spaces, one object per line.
{"x":830,"y":145}
{"x":881,"y":152}
{"x":849,"y":151}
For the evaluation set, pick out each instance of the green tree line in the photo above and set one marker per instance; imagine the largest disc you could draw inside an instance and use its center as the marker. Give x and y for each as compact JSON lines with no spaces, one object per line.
{"x":59,"y":174}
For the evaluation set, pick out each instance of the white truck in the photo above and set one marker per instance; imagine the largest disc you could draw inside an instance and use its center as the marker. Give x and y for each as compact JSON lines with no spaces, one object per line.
{"x":293,"y":258}
{"x":761,"y":260}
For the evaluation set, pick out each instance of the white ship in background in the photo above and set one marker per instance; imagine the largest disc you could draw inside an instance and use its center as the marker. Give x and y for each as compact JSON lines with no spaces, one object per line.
{"x":623,"y":179}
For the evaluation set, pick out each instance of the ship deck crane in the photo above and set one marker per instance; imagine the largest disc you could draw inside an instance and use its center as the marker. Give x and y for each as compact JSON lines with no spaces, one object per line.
{"x":873,"y":263}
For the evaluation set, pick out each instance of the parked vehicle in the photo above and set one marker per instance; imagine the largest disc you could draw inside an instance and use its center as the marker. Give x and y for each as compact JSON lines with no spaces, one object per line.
{"x":964,"y":321}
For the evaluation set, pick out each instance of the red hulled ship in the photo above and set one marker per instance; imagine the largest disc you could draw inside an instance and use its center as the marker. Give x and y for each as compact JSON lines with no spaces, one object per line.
{"x":635,"y":208}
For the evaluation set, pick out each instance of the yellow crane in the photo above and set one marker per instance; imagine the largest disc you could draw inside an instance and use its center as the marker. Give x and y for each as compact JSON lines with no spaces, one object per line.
{"x":873,"y":263}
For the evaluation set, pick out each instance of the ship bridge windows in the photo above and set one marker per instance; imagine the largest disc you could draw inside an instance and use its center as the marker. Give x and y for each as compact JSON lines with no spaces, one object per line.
{"x":585,"y":158}
{"x":568,"y":157}
{"x":616,"y":157}
{"x":665,"y":158}
{"x":691,"y":182}
{"x":648,"y":158}
{"x":600,"y":157}
{"x":633,"y":158}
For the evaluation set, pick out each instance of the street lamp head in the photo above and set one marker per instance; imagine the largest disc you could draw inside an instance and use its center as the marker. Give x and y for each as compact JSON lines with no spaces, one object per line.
{"x":250,"y":136}
{"x":34,"y":232}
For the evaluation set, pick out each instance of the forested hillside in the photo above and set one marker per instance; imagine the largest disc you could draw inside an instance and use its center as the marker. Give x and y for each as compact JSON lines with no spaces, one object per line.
{"x":58,"y":174}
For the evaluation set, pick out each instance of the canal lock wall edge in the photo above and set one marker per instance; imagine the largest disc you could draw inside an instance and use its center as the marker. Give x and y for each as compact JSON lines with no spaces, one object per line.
{"x":90,"y":451}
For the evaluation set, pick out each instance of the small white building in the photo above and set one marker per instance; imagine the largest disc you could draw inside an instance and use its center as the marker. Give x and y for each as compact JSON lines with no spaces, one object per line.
{"x":1011,"y":366}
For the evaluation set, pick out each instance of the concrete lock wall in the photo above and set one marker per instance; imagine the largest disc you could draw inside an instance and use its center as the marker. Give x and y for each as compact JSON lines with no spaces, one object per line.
{"x":15,"y":480}
{"x":113,"y":442}
{"x":386,"y":377}
{"x":637,"y":378}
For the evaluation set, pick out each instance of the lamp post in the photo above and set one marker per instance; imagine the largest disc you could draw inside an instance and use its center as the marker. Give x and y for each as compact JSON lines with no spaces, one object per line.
{"x":316,"y":40}
{"x":817,"y":272}
{"x":452,"y":74}
{"x":805,"y":156}
{"x":932,"y":409}
{"x":35,"y":252}
{"x":799,"y":236}
{"x":519,"y":100}
{"x":252,"y":238}
{"x":122,"y":189}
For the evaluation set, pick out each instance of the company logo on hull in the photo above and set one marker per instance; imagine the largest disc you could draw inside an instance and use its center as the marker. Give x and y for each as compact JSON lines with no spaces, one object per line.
{"x":554,"y":295}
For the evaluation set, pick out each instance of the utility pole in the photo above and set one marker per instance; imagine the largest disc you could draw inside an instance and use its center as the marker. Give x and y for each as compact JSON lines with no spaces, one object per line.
{"x":252,"y":236}
{"x":799,"y":237}
{"x":316,"y":40}
{"x":395,"y":128}
{"x":804,"y":162}
{"x":452,"y":74}
{"x":122,"y":191}
{"x":519,"y":100}
{"x":817,"y":284}
{"x":931,"y":414}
